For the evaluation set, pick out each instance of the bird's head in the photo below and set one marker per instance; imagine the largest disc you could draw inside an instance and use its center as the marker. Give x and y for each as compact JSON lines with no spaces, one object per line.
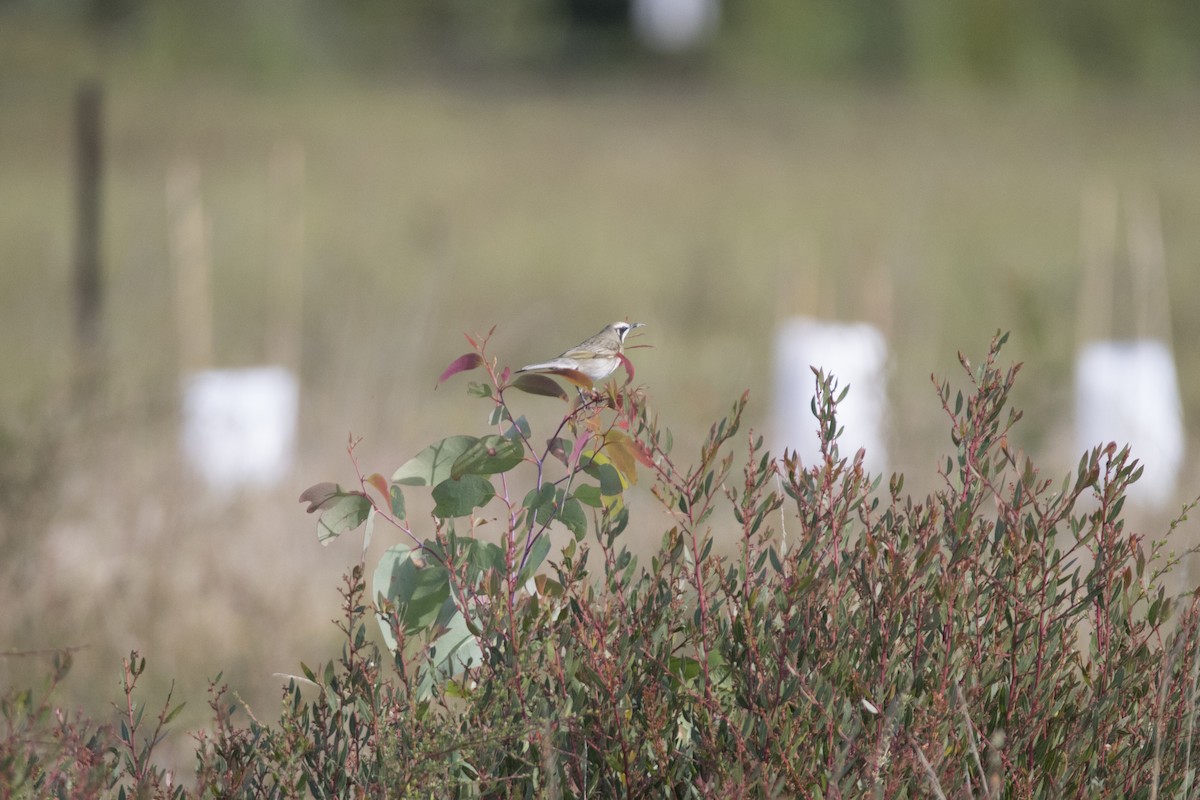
{"x":622,"y":329}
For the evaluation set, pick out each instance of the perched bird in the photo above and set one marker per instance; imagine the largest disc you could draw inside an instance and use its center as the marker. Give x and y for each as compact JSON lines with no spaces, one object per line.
{"x":596,"y":357}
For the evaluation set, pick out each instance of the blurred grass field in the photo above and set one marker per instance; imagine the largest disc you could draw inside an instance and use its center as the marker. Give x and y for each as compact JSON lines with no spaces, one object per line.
{"x":436,"y":205}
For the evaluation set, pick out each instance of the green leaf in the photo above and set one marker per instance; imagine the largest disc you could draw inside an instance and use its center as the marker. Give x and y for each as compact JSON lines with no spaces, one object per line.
{"x":600,"y":466}
{"x":320,"y":495}
{"x":520,"y":428}
{"x":538,"y":551}
{"x":499,"y":414}
{"x":533,"y":383}
{"x":588,"y":495}
{"x":776,"y":562}
{"x":610,"y":479}
{"x":683,"y":669}
{"x":341,"y":510}
{"x":417,"y":587}
{"x":571,"y":515}
{"x":433,"y":464}
{"x":369,"y":530}
{"x":540,"y":502}
{"x":457,"y":498}
{"x":174,"y":713}
{"x":487,"y":456}
{"x":449,"y":654}
{"x":482,"y":556}
{"x":615,"y":522}
{"x":396,"y":499}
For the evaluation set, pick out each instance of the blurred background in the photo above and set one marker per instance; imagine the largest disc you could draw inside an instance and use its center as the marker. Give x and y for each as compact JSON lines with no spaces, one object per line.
{"x":266,"y":225}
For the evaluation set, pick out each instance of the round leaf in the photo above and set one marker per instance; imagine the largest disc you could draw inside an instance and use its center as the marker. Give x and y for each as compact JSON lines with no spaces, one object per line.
{"x":488,"y":456}
{"x":433,"y":464}
{"x":457,"y":498}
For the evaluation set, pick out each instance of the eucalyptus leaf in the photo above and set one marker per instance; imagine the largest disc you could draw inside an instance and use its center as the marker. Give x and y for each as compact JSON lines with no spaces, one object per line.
{"x":488,"y":456}
{"x":396,"y":500}
{"x":457,"y":498}
{"x":538,"y":550}
{"x":588,"y":494}
{"x":345,"y":513}
{"x":433,"y":464}
{"x":449,"y":654}
{"x":571,"y":515}
{"x":417,"y":587}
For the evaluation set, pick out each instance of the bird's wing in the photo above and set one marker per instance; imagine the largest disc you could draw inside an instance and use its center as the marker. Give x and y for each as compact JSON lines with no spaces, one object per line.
{"x":581,"y":354}
{"x":558,"y":363}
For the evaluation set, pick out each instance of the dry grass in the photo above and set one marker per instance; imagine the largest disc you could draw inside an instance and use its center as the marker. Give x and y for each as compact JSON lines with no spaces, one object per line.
{"x":435,"y":207}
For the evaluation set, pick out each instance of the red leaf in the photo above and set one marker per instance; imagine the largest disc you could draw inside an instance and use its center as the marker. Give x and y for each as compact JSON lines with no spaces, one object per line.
{"x":461,"y":364}
{"x":380,"y":483}
{"x":641,"y":453}
{"x":574,"y":376}
{"x":628,"y":367}
{"x":577,"y":450}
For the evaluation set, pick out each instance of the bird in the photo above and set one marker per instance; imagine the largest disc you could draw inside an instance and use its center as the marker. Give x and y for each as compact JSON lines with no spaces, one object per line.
{"x":597,"y":357}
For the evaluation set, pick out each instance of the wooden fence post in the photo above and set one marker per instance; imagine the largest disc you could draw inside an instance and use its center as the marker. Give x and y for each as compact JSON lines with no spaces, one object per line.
{"x":88,"y":290}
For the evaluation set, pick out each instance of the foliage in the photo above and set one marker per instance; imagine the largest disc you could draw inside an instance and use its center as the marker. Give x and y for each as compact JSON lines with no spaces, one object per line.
{"x":1006,"y":636}
{"x":46,"y":752}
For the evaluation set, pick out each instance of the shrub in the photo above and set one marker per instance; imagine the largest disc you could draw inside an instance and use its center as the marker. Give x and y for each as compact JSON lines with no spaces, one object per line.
{"x":46,"y":752}
{"x":1005,"y":636}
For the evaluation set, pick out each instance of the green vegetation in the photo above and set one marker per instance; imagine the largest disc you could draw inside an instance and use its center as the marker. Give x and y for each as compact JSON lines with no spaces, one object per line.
{"x":1005,"y":636}
{"x":711,"y":199}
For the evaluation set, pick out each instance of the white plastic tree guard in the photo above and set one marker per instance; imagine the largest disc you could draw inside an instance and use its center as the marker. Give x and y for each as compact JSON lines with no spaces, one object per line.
{"x":856,"y":354}
{"x":239,"y":425}
{"x":672,"y":26}
{"x":1127,"y":392}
